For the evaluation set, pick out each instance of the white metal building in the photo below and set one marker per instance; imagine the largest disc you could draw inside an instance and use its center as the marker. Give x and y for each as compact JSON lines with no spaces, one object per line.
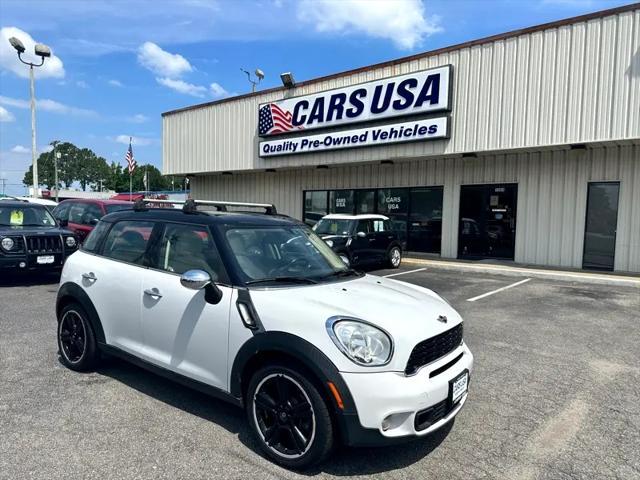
{"x":523,"y":146}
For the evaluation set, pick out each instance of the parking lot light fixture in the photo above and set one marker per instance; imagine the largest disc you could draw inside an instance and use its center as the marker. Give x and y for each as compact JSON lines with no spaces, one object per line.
{"x":43,"y":52}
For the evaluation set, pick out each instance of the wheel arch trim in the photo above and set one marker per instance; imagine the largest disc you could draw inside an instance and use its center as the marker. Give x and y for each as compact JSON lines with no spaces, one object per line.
{"x":71,"y":292}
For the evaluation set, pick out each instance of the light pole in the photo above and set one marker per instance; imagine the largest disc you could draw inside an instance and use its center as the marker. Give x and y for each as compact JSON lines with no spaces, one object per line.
{"x":43,"y":52}
{"x":56,"y":157}
{"x":259,"y":76}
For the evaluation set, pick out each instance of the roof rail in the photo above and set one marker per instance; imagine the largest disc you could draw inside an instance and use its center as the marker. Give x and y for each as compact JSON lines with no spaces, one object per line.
{"x":190,"y":205}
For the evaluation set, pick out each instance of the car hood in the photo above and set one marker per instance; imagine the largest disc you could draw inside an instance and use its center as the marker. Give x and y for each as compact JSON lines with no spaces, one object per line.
{"x":409,"y":313}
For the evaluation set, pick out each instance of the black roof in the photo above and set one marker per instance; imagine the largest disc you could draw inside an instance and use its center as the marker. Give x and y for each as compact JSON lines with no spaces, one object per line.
{"x":201,"y":217}
{"x":20,"y":203}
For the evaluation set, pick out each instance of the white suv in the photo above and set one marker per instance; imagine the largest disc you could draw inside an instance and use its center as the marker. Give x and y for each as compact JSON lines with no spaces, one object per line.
{"x":256,"y":309}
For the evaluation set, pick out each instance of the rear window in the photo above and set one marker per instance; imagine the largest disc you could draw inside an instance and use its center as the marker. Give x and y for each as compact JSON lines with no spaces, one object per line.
{"x":117,"y":208}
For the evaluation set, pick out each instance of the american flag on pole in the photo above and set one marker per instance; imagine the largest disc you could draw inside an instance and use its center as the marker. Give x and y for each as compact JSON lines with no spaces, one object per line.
{"x":129,"y":158}
{"x":272,"y":119}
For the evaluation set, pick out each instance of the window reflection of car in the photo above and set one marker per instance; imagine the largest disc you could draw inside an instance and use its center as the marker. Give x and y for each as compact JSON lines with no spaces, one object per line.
{"x":472,"y":242}
{"x":362,"y":239}
{"x":31,"y":239}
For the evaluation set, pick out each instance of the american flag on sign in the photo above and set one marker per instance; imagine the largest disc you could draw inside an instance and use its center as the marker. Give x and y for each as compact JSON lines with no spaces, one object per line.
{"x":129,"y":158}
{"x":272,"y":119}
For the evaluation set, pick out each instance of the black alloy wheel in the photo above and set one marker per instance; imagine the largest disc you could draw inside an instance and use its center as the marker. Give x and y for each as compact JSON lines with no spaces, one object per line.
{"x":289,"y":417}
{"x":76,"y":341}
{"x":284,"y":415}
{"x":73,"y":336}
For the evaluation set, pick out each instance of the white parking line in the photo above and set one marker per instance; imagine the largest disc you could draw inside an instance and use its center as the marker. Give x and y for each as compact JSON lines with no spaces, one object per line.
{"x":404,"y":273}
{"x":498,"y":290}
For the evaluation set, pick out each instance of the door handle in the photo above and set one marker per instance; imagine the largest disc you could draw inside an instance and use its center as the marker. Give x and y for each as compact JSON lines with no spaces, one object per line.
{"x":89,"y":276}
{"x":153,"y":292}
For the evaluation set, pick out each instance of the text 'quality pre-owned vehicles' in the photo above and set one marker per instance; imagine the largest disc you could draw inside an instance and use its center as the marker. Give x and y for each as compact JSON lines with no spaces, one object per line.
{"x":258,"y":310}
{"x":31,"y":239}
{"x":361,"y":240}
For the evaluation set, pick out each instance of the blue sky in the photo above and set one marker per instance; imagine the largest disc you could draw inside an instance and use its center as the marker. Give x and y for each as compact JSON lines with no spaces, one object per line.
{"x":120,"y":63}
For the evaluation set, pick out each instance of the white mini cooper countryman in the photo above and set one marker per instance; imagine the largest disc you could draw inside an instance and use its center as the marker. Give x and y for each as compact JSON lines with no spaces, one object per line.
{"x":257,"y":310}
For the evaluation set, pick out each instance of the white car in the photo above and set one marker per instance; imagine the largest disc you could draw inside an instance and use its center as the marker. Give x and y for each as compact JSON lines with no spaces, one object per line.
{"x":256,"y":309}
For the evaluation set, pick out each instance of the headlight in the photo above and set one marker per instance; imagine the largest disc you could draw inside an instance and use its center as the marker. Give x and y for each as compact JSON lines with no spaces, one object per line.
{"x":363,"y":343}
{"x":329,"y":242}
{"x":7,"y":243}
{"x":71,"y":242}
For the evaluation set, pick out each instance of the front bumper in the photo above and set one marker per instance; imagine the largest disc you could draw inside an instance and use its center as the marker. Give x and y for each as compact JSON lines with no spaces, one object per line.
{"x":399,"y":398}
{"x":29,"y":262}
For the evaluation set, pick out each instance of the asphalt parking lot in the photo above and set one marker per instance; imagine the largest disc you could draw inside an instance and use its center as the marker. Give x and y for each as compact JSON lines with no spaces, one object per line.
{"x":554,"y":395}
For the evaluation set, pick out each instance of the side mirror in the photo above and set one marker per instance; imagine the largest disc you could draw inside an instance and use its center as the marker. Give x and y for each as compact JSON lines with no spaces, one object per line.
{"x":361,"y":234}
{"x":195,"y":279}
{"x":93,"y":221}
{"x":199,"y":279}
{"x":345,"y":260}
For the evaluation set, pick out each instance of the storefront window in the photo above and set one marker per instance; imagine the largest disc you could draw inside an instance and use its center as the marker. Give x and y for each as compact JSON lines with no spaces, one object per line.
{"x":315,"y":206}
{"x":365,"y":201}
{"x":425,"y":220}
{"x":341,"y":201}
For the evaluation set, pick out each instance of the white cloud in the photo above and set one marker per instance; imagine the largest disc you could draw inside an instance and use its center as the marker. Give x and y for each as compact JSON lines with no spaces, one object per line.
{"x":47,"y":105}
{"x":404,"y":22}
{"x":9,"y":59}
{"x":20,"y":149}
{"x":82,"y":84}
{"x":115,"y":83}
{"x":217,"y":91}
{"x":161,"y":62}
{"x":138,"y":118}
{"x":139,"y":141}
{"x":6,"y":115}
{"x":183,"y":87}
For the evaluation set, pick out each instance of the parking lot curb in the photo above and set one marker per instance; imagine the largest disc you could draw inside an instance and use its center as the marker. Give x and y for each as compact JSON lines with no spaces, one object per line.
{"x":571,"y":276}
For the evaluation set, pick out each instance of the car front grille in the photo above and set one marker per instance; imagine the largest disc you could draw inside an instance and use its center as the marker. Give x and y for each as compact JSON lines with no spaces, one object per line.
{"x":427,"y":417}
{"x":44,"y":244}
{"x":434,"y":348}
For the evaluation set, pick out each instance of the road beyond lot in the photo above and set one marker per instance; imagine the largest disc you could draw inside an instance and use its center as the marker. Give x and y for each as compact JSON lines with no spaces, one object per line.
{"x":554,"y":395}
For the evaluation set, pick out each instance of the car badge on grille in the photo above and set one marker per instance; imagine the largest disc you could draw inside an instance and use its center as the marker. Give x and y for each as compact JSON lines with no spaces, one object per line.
{"x":442,"y":319}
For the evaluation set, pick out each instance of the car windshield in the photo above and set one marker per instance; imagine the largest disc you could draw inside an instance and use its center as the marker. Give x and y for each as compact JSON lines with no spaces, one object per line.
{"x":333,"y":226}
{"x":117,"y":207}
{"x":283,"y":254}
{"x":25,"y":216}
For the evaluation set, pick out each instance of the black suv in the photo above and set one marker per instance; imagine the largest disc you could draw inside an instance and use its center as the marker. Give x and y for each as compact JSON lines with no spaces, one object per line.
{"x":31,"y":239}
{"x":361,"y":239}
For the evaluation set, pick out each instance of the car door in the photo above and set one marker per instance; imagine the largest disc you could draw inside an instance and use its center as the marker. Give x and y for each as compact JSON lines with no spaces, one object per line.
{"x":113,"y":281}
{"x":383,"y":238}
{"x":182,"y":331}
{"x":76,"y":214}
{"x":362,"y":247}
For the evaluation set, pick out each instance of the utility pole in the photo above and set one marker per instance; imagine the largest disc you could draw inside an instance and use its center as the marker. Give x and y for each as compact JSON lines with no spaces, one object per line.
{"x":56,"y":157}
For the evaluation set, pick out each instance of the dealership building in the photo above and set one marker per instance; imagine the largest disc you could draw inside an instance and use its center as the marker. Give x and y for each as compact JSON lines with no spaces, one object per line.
{"x":522,"y":146}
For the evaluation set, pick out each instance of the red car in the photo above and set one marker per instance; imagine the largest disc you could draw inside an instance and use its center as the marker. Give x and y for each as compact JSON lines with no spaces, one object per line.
{"x":81,"y":215}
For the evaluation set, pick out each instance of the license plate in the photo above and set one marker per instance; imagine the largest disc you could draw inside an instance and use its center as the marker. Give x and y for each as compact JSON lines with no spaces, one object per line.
{"x":458,"y":386}
{"x":45,"y":259}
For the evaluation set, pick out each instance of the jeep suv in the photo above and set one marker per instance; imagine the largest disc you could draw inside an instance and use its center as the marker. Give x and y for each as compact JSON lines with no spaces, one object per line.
{"x":257,"y":310}
{"x":31,"y":239}
{"x":361,"y":239}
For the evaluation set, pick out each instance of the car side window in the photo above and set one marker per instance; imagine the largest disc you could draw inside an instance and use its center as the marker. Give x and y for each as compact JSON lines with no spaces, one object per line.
{"x":127,"y":241}
{"x":93,"y":240}
{"x":364,"y":226}
{"x":61,"y":212}
{"x":379,"y":226}
{"x":91,"y":214}
{"x":189,"y":247}
{"x":75,"y":213}
{"x":388,"y":226}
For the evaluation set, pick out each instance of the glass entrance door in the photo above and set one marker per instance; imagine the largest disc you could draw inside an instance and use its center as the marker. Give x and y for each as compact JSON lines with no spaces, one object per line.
{"x":601,"y":225}
{"x":487,"y":221}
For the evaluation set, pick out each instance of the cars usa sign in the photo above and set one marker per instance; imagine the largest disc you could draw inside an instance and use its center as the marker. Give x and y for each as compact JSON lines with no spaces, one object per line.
{"x":414,"y":93}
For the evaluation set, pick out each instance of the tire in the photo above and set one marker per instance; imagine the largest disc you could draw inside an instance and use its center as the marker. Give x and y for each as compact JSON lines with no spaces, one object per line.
{"x":280,"y":400}
{"x":77,"y":345}
{"x":394,"y":257}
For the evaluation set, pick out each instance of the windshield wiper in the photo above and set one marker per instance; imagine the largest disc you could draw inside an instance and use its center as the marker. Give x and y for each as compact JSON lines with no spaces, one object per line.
{"x":282,"y":279}
{"x":342,"y":273}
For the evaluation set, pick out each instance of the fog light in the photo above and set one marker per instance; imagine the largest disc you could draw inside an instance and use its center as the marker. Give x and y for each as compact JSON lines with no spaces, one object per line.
{"x":22,"y":264}
{"x":71,"y":242}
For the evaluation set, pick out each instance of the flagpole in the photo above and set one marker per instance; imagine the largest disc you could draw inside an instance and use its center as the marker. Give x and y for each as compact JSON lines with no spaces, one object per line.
{"x":130,"y":175}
